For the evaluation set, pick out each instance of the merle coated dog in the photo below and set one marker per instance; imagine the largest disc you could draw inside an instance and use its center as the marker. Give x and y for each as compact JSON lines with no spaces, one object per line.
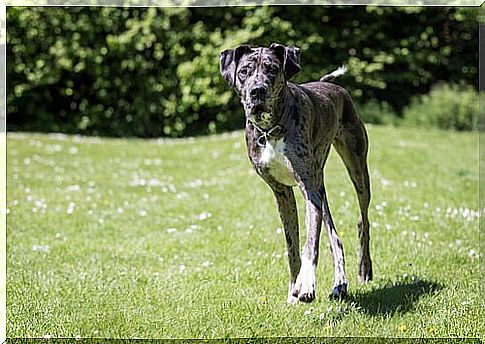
{"x":289,"y":131}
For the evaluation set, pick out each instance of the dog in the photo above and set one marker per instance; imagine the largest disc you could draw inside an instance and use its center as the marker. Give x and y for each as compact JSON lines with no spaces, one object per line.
{"x":289,"y":131}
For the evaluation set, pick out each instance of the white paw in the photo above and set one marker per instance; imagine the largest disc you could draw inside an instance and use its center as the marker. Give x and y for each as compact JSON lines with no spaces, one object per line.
{"x":291,"y":300}
{"x":304,"y":288}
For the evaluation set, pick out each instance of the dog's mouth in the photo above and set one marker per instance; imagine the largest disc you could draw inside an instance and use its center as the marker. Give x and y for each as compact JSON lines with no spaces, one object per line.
{"x":260,"y":115}
{"x":257,"y":110}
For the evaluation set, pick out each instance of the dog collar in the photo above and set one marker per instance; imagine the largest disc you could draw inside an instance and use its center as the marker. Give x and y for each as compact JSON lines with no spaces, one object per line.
{"x":265,"y":133}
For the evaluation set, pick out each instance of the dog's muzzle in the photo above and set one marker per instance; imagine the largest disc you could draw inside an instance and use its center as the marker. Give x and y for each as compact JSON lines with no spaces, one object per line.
{"x":258,"y":92}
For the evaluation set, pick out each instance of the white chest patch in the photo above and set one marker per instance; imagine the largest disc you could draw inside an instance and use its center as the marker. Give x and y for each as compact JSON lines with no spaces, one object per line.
{"x":274,"y":159}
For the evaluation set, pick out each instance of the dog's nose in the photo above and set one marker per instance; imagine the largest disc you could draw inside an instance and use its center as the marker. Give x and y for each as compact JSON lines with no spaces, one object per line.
{"x":258,"y":91}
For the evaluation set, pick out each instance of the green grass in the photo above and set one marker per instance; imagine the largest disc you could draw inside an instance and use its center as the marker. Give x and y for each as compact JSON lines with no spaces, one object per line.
{"x":180,"y":238}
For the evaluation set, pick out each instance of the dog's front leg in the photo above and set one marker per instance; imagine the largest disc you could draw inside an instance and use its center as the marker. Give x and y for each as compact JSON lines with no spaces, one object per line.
{"x":304,"y":288}
{"x":289,"y":217}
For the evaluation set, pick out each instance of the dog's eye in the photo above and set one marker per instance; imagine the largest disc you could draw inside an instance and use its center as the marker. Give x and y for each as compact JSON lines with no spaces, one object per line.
{"x":243,"y":71}
{"x":272,"y":69}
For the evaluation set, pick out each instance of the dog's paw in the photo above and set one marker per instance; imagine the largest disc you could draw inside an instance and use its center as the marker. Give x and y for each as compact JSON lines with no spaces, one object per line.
{"x":304,"y":289}
{"x":339,"y":291}
{"x":365,"y":271}
{"x":291,"y":300}
{"x":307,"y":297}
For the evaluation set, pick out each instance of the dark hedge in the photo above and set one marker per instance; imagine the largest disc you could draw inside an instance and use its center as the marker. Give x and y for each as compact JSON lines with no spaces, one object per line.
{"x":152,"y":72}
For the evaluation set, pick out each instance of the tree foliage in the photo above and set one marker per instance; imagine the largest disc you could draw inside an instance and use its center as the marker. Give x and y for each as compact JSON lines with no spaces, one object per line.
{"x":152,"y":72}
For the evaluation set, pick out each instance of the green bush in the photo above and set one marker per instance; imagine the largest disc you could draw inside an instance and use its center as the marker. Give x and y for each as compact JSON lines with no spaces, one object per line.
{"x":447,"y":106}
{"x":378,"y":113}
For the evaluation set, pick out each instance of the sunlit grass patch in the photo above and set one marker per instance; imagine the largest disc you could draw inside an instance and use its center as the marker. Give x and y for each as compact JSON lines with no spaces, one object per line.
{"x":180,"y":238}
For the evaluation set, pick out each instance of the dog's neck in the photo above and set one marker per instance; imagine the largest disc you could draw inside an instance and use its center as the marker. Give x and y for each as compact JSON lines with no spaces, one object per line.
{"x":280,"y":103}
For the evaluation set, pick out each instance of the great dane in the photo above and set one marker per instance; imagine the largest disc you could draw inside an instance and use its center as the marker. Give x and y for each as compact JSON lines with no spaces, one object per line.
{"x":289,"y":131}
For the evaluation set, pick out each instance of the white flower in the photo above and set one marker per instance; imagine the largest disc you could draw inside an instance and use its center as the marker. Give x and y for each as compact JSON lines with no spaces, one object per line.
{"x":204,"y":215}
{"x":182,"y":195}
{"x":385,"y":182}
{"x":195,"y":183}
{"x":70,"y":208}
{"x":40,"y":248}
{"x":154,"y":182}
{"x":73,"y":150}
{"x":73,"y":188}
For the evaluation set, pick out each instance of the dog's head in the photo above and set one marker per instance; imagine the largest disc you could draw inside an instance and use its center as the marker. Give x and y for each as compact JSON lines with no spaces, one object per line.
{"x":259,"y":75}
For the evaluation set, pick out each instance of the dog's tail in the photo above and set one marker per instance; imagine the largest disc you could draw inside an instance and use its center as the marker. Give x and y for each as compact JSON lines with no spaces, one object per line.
{"x":336,"y":73}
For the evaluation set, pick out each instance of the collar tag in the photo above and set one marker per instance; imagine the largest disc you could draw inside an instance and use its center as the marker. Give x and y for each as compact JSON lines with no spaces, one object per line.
{"x":265,"y":134}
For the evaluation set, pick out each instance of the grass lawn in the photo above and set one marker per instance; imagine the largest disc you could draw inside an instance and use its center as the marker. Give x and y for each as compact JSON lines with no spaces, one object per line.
{"x":180,"y":238}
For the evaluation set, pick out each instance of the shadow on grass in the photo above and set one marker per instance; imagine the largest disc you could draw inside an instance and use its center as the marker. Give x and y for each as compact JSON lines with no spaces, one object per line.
{"x":394,"y":298}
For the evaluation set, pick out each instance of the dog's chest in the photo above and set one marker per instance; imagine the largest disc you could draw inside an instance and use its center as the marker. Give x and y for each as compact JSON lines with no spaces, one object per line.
{"x":274,"y":162}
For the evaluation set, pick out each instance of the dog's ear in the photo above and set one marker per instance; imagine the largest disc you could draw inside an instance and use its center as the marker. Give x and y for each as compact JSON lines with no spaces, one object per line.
{"x":229,"y":60}
{"x":293,"y":60}
{"x":290,"y":56}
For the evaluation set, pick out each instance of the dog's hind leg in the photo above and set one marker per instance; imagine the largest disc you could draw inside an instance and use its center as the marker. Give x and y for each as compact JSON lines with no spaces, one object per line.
{"x":289,"y":217}
{"x":352,"y":146}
